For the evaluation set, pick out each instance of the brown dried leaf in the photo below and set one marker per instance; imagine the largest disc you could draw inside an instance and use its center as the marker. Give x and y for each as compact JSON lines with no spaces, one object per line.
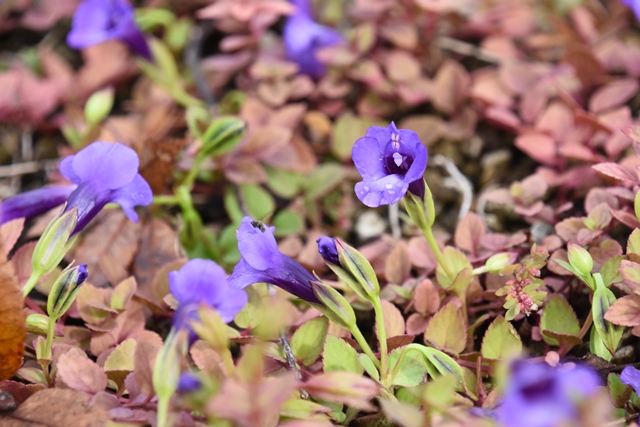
{"x":398,"y":264}
{"x":57,"y":407}
{"x":109,"y":247}
{"x":78,"y":372}
{"x":12,"y":321}
{"x":393,"y":319}
{"x":9,"y":234}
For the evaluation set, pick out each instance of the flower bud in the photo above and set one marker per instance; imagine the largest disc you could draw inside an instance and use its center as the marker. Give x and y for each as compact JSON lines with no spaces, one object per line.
{"x":98,"y":106}
{"x":499,"y":261}
{"x":327,"y":249}
{"x":37,"y":324}
{"x":65,"y":289}
{"x":222,"y":135}
{"x":54,"y":243}
{"x":335,"y":306}
{"x":166,"y":371}
{"x":365,"y":282}
{"x":580,"y":259}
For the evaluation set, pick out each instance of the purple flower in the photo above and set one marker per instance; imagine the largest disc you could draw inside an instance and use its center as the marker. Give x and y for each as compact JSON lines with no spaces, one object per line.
{"x":328,"y":250}
{"x":96,"y":21}
{"x":303,"y":37}
{"x":201,"y":282}
{"x":538,"y":395}
{"x":263,"y":262}
{"x":102,"y":173}
{"x":634,"y":5}
{"x":188,"y":383}
{"x":631,"y":376}
{"x":391,"y":161}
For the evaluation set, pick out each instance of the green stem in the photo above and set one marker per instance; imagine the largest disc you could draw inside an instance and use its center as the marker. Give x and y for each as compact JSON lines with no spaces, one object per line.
{"x":51,"y":327}
{"x":166,"y":200}
{"x":163,"y":411}
{"x":382,"y":339}
{"x":357,"y":335}
{"x":31,"y":283}
{"x":193,"y":172}
{"x":428,"y":234}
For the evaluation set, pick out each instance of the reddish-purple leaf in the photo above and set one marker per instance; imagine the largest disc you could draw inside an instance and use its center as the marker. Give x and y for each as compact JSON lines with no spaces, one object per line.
{"x":619,"y":172}
{"x":613,"y":95}
{"x":625,"y":311}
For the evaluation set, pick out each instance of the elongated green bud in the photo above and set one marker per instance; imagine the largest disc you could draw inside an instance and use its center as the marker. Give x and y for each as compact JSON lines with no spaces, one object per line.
{"x":65,"y":289}
{"x":54,"y":243}
{"x":580,"y":259}
{"x":335,"y":306}
{"x":222,"y":135}
{"x":365,"y":282}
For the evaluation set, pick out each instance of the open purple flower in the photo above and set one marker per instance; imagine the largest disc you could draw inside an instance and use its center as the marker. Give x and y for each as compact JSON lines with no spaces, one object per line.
{"x":303,"y":37}
{"x":201,"y":282}
{"x":391,"y":161}
{"x":631,"y":376}
{"x":538,"y":395}
{"x":102,"y":173}
{"x":262,"y":262}
{"x":96,"y":21}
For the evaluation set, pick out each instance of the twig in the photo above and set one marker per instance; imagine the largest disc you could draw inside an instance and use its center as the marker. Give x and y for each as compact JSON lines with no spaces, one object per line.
{"x":25,"y":168}
{"x":464,"y":185}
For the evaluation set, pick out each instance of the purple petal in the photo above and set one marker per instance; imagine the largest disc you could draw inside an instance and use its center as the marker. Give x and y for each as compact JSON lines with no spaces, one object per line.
{"x":90,"y":23}
{"x":188,"y":383}
{"x":33,"y":203}
{"x":417,"y":168}
{"x":382,"y":134}
{"x":198,"y":281}
{"x":367,"y":157}
{"x":257,"y":244}
{"x":234,"y":301}
{"x":631,"y":376}
{"x":89,"y":200}
{"x":106,"y":165}
{"x":580,"y":380}
{"x":244,"y":275}
{"x":327,"y":249}
{"x":136,"y":193}
{"x":384,"y":191}
{"x":303,"y":7}
{"x":137,"y":42}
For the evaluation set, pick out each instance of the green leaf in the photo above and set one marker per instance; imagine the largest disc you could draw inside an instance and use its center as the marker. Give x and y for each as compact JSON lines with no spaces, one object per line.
{"x":633,"y":244}
{"x":636,"y":205}
{"x":440,"y":392}
{"x":259,"y":202}
{"x":456,"y":262}
{"x":609,"y":271}
{"x":347,"y":130}
{"x":288,"y":222}
{"x":501,"y":341}
{"x":301,"y":409}
{"x":367,"y":364}
{"x":308,"y":340}
{"x":447,"y":329}
{"x":559,"y":317}
{"x":597,"y":347}
{"x":323,"y":179}
{"x":229,"y":244}
{"x":619,"y":392}
{"x":283,"y":183}
{"x":338,"y":355}
{"x":413,"y":369}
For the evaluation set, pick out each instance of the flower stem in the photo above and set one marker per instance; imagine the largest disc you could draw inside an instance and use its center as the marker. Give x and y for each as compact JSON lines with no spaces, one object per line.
{"x":31,"y":283}
{"x":46,"y":354}
{"x":163,"y":411}
{"x":357,"y":335}
{"x":382,"y":339}
{"x":193,"y":172}
{"x":166,"y":200}
{"x":431,"y":240}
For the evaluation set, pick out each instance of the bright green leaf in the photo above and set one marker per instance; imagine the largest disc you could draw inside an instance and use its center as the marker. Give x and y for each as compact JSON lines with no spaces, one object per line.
{"x":288,"y":222}
{"x":308,"y":340}
{"x":558,"y":316}
{"x":338,"y":355}
{"x":447,"y":329}
{"x":259,"y":202}
{"x":501,"y":341}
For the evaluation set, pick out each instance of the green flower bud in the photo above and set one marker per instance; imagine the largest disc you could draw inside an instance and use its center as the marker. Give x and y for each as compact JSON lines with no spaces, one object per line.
{"x":65,"y":289}
{"x":166,"y":371}
{"x":98,"y":106}
{"x":54,"y":243}
{"x":580,"y":259}
{"x":37,"y":324}
{"x":335,"y":306}
{"x":222,"y":135}
{"x":365,"y":282}
{"x":497,"y":262}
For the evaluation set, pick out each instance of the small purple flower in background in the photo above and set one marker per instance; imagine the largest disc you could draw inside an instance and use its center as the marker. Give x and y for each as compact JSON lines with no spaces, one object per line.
{"x":97,"y":21}
{"x":303,"y":37}
{"x":631,"y":376}
{"x":391,"y":161}
{"x":102,"y":173}
{"x":633,"y":5}
{"x":188,"y":383}
{"x":538,"y":395}
{"x":201,"y":282}
{"x":262,"y":262}
{"x":328,"y":250}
